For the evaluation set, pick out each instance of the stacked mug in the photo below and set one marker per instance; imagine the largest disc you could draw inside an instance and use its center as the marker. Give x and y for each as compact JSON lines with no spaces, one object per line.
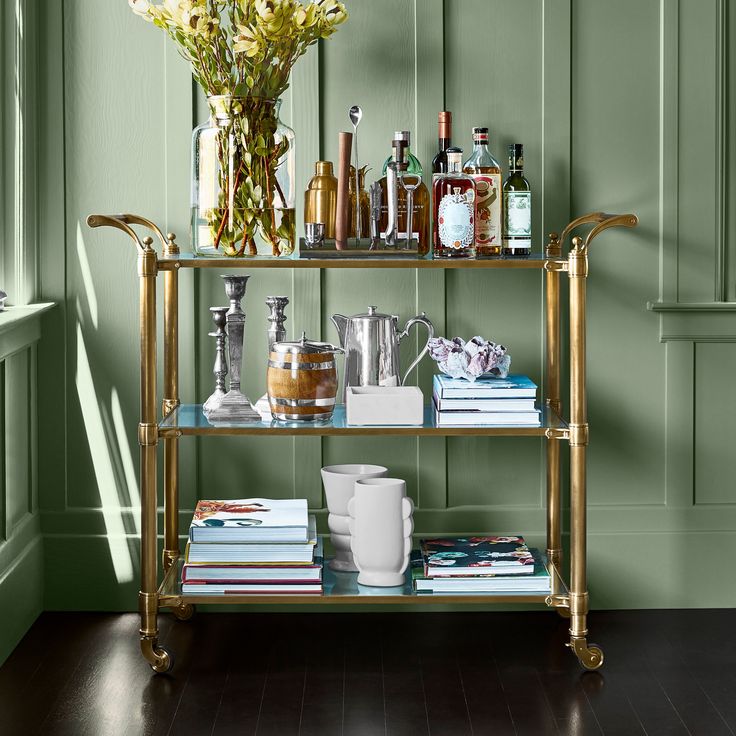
{"x":370,"y":522}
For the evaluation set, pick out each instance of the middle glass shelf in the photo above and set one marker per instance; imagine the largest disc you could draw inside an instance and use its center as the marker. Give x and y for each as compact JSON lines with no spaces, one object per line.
{"x":188,"y":419}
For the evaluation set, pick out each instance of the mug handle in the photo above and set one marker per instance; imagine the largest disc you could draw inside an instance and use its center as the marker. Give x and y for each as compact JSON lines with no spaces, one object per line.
{"x":407,"y":552}
{"x":407,"y":507}
{"x":353,"y":545}
{"x":419,"y":319}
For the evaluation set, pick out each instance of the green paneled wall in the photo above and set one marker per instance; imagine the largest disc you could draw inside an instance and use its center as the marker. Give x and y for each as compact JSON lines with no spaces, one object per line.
{"x":622,"y":105}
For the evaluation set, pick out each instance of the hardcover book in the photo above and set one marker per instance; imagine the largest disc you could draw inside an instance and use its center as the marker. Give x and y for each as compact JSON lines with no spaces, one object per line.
{"x":511,"y":387}
{"x":256,"y":572}
{"x":291,"y":553}
{"x":486,"y":405}
{"x":476,"y":556}
{"x":486,"y":418}
{"x":536,"y":583}
{"x":250,"y":520}
{"x":251,"y":588}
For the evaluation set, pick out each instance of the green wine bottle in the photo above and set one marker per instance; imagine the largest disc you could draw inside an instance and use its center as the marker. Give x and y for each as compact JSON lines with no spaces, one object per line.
{"x":517,"y":206}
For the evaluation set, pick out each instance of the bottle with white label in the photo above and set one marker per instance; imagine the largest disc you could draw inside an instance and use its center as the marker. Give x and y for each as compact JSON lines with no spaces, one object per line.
{"x":486,"y":171}
{"x":517,"y":206}
{"x":453,"y":208}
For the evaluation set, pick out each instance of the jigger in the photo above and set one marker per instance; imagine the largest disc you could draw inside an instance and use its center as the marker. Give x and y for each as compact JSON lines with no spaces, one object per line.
{"x":409,"y":189}
{"x":314,"y":234}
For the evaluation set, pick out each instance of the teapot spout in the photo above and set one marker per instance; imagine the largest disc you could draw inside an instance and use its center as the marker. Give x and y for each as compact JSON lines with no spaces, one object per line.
{"x":341,"y":325}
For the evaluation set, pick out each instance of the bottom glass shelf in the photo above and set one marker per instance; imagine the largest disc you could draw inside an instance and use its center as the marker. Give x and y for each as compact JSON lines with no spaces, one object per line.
{"x":343,"y":587}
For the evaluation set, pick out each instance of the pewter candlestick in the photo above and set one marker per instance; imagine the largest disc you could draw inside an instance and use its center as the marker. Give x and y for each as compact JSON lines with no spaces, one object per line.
{"x":219,"y":317}
{"x":276,"y":319}
{"x":235,"y":406}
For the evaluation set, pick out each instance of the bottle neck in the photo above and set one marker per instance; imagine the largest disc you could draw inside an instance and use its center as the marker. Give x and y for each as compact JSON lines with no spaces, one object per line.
{"x":481,"y":147}
{"x":444,"y":143}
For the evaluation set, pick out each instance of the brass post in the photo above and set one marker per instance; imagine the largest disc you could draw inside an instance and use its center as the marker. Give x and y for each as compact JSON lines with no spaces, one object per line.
{"x":148,"y":439}
{"x":170,"y":402}
{"x":590,"y":657}
{"x":552,"y":377}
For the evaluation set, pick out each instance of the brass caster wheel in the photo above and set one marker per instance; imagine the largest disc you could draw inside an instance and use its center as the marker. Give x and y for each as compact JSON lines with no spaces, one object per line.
{"x":164,"y":661}
{"x":183,"y":612}
{"x":589,"y":656}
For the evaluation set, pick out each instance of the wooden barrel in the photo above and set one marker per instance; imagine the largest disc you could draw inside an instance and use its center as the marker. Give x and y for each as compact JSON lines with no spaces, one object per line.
{"x":301,"y":387}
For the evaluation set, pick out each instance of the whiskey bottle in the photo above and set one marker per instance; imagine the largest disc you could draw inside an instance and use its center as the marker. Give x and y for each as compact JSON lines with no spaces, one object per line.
{"x":517,"y":206}
{"x":413,"y":165}
{"x":439,"y":162}
{"x":486,"y":172}
{"x":453,"y":198}
{"x":394,"y":221}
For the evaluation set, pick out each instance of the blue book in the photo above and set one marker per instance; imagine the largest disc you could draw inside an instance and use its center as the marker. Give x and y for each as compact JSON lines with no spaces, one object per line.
{"x":512,"y":387}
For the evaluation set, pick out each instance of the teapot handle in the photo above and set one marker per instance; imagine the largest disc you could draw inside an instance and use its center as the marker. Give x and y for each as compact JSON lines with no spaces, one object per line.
{"x":420,"y":319}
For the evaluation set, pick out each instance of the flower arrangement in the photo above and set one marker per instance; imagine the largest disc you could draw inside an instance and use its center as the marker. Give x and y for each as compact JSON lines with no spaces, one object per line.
{"x":241,"y":53}
{"x":470,"y":360}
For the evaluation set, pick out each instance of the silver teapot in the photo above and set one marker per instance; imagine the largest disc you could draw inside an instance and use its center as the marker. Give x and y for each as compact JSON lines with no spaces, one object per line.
{"x":371,"y":345}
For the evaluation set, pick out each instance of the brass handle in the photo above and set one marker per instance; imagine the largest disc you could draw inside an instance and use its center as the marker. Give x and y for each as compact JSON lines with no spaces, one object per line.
{"x":123,"y":222}
{"x":603,"y":221}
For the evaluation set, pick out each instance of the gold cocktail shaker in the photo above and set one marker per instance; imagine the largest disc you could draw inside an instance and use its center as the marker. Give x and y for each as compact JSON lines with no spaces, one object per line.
{"x":320,"y":199}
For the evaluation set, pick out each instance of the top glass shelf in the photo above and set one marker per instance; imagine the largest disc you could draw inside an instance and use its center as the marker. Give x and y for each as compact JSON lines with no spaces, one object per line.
{"x":190,"y":260}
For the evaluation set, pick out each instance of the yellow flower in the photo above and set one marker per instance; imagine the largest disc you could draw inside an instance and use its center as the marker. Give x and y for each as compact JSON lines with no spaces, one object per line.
{"x":247,"y":42}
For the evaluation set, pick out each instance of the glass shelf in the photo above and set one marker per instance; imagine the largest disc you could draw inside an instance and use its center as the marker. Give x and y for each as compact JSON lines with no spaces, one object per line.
{"x":343,"y":587}
{"x":188,"y":419}
{"x":379,"y":260}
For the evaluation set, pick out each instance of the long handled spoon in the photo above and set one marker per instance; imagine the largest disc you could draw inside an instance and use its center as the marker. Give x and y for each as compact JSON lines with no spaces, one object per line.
{"x":356,"y":115}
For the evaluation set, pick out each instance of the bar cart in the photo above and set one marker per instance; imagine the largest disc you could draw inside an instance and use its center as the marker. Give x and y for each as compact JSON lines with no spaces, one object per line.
{"x":569,"y":595}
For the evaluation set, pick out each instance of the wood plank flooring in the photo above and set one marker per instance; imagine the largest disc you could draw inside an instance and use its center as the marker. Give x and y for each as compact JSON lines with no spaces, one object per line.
{"x":667,"y":673}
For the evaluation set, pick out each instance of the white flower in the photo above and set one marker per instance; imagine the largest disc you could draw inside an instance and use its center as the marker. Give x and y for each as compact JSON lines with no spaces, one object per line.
{"x":142,"y":8}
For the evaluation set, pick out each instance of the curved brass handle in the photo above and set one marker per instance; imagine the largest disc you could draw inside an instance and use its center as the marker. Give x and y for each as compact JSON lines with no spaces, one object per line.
{"x":603,"y":221}
{"x":123,"y":222}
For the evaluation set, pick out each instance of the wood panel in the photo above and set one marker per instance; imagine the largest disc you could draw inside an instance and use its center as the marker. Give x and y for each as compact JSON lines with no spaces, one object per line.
{"x":715,"y":423}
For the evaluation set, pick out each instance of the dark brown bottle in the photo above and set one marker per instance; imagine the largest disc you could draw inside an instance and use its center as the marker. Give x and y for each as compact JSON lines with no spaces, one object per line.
{"x":439,"y":162}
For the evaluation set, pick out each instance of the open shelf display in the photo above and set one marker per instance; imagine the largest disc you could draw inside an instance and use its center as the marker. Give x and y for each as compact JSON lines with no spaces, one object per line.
{"x":570,"y":599}
{"x":188,"y":419}
{"x":343,"y":587}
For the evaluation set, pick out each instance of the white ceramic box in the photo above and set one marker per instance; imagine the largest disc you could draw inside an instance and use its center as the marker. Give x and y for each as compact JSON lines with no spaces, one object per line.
{"x":384,"y":405}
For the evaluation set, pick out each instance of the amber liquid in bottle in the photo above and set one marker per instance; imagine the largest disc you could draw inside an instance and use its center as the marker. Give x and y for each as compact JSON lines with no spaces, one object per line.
{"x":453,"y":209}
{"x":420,"y":203}
{"x":486,"y":172}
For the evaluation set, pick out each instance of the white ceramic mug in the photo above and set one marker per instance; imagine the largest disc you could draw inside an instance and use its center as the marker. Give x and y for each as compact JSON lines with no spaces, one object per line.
{"x":381,"y":526}
{"x":339,"y":484}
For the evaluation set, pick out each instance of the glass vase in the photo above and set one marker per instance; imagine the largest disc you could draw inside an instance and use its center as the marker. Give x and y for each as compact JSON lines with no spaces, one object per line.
{"x":243,"y":180}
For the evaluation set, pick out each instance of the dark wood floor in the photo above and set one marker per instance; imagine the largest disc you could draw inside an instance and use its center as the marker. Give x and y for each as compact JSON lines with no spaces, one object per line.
{"x":486,"y":674}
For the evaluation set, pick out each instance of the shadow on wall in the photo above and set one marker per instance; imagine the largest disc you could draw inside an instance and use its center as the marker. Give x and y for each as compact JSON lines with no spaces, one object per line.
{"x":107,"y":442}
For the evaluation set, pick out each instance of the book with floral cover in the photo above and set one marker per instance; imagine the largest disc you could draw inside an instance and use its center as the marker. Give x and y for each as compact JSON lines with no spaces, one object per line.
{"x":250,"y":520}
{"x":476,"y":556}
{"x":537,"y":583}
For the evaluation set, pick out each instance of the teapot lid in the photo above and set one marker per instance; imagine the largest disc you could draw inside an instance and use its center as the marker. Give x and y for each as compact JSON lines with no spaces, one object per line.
{"x":302,"y":346}
{"x":373,"y":314}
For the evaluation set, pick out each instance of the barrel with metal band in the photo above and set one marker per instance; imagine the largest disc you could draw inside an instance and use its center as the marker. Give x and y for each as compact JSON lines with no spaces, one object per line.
{"x":302,"y":380}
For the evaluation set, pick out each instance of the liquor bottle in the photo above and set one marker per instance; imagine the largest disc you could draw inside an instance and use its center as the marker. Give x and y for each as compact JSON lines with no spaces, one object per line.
{"x":453,"y":197}
{"x":439,"y":162}
{"x":365,"y":207}
{"x":413,"y":165}
{"x":517,"y":206}
{"x":487,"y":174}
{"x":393,"y":233}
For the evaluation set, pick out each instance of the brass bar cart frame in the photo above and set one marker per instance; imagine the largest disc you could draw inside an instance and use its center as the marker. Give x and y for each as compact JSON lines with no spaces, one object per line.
{"x":569,"y":601}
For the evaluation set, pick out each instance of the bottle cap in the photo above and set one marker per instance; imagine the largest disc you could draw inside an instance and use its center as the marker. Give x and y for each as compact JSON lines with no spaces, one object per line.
{"x":480,"y":135}
{"x":454,"y":157}
{"x":403,"y":135}
{"x":444,"y":119}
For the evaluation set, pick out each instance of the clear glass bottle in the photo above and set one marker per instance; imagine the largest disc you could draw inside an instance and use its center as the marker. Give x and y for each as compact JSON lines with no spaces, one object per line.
{"x":517,"y":206}
{"x":453,"y":203}
{"x":444,"y":141}
{"x":365,"y":205}
{"x":412,"y":162}
{"x":486,"y":171}
{"x":420,"y":202}
{"x":243,"y":180}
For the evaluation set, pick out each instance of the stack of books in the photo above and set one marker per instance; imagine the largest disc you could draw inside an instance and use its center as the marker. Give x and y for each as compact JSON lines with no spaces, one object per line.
{"x":252,"y":546}
{"x":478,"y":565}
{"x":499,"y":402}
